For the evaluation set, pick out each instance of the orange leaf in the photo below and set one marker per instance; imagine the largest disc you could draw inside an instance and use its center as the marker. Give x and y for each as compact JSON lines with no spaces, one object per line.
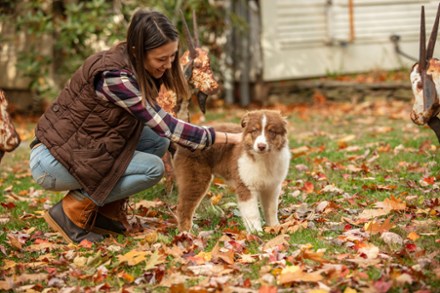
{"x":133,"y":257}
{"x":292,"y":274}
{"x":7,"y":285}
{"x":178,"y":288}
{"x":215,"y":199}
{"x":393,"y":204}
{"x":315,"y":256}
{"x":429,"y":180}
{"x":86,"y":243}
{"x":281,"y":239}
{"x":308,"y":187}
{"x":127,"y":277}
{"x":225,"y":254}
{"x":413,"y":236}
{"x":268,"y":289}
{"x":374,"y":227}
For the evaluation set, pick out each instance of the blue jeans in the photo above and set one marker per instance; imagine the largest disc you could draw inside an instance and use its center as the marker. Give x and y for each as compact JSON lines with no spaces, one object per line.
{"x":145,"y":169}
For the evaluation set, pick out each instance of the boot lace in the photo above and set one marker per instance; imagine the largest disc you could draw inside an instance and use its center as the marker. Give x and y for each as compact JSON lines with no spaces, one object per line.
{"x":126,"y":211}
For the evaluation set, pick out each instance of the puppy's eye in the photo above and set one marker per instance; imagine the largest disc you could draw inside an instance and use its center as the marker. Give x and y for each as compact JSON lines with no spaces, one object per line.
{"x":272,"y":133}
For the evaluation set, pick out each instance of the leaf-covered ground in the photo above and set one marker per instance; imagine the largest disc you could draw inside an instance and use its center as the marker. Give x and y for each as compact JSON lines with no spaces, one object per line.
{"x":359,"y":213}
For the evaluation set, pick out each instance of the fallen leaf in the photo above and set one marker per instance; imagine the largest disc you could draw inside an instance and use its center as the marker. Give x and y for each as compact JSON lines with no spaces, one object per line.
{"x":413,"y":236}
{"x":404,"y":279}
{"x":392,"y":239}
{"x":277,"y":241}
{"x":292,"y":274}
{"x":392,"y":203}
{"x":8,"y":264}
{"x":300,"y":150}
{"x":269,"y":289}
{"x":208,"y":269}
{"x":6,"y":285}
{"x":127,"y":277}
{"x":154,"y":260}
{"x":178,"y":288}
{"x":247,"y":258}
{"x":374,"y":227}
{"x":4,"y":219}
{"x":85,"y":243}
{"x":382,"y":286}
{"x":80,"y":261}
{"x":308,"y":187}
{"x":8,"y":205}
{"x":133,"y":257}
{"x":373,"y":213}
{"x":14,"y":242}
{"x":308,"y":253}
{"x":370,"y":251}
{"x":221,"y":252}
{"x":151,"y":237}
{"x":149,"y":204}
{"x":215,"y":199}
{"x":204,"y":256}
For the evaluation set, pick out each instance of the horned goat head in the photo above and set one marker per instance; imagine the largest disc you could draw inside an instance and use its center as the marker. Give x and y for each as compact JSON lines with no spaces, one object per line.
{"x":425,"y":76}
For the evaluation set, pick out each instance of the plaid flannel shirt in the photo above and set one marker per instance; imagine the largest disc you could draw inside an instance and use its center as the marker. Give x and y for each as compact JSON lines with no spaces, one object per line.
{"x":121,"y":88}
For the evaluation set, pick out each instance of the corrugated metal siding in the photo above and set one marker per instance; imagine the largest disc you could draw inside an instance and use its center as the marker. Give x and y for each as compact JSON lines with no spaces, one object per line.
{"x":296,"y":23}
{"x":307,"y":38}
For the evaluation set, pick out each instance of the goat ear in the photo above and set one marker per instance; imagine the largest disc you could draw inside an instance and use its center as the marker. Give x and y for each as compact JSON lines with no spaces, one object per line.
{"x":245,"y":120}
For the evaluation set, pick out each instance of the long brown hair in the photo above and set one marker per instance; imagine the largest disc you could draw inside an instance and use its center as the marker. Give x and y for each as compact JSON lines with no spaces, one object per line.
{"x":149,"y":30}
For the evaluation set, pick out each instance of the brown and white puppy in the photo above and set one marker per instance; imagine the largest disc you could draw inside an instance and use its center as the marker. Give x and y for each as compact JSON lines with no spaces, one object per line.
{"x":255,"y":169}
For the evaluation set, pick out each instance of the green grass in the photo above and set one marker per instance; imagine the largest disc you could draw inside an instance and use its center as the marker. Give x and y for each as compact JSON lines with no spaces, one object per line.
{"x":368,"y":156}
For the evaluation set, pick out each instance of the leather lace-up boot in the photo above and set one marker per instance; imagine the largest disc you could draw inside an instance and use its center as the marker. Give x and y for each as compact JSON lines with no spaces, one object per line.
{"x":73,"y":218}
{"x":112,"y":218}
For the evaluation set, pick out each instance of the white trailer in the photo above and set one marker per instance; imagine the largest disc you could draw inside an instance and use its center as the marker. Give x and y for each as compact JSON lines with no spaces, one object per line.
{"x":311,"y":38}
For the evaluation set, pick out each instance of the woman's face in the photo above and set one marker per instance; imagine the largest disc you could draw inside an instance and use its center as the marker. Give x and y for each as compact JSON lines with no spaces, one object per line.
{"x":158,"y":60}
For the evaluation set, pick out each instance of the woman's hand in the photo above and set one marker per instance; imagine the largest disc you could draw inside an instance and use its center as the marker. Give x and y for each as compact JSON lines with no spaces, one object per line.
{"x":228,"y":138}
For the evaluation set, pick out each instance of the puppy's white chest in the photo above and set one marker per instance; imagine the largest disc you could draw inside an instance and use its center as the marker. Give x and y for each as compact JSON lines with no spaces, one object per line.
{"x":264,"y":170}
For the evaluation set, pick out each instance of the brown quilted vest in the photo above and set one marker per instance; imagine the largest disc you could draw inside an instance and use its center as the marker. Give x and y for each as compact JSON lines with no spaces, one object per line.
{"x":93,"y":138}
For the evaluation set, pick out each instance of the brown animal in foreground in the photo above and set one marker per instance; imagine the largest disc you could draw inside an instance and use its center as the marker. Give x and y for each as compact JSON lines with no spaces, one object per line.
{"x":9,"y":138}
{"x":255,"y":169}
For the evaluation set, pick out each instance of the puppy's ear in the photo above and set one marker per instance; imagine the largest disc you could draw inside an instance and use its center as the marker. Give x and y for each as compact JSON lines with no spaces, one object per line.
{"x":245,"y":120}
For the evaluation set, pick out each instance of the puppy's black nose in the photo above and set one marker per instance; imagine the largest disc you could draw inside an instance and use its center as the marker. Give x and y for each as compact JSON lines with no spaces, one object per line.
{"x":261,"y":146}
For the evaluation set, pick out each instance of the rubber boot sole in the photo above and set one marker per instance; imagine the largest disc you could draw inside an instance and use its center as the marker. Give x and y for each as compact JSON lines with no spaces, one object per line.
{"x":105,"y":232}
{"x":54,"y":225}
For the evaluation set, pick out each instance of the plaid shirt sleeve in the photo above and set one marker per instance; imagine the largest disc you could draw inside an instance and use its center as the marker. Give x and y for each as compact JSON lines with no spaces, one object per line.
{"x":121,"y":88}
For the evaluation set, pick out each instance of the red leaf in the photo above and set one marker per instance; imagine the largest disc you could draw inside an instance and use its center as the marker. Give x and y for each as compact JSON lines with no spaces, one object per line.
{"x":9,"y":205}
{"x":86,"y":243}
{"x":382,"y":286}
{"x":51,"y":271}
{"x":247,"y":283}
{"x":411,"y":247}
{"x":308,"y":187}
{"x":429,"y":180}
